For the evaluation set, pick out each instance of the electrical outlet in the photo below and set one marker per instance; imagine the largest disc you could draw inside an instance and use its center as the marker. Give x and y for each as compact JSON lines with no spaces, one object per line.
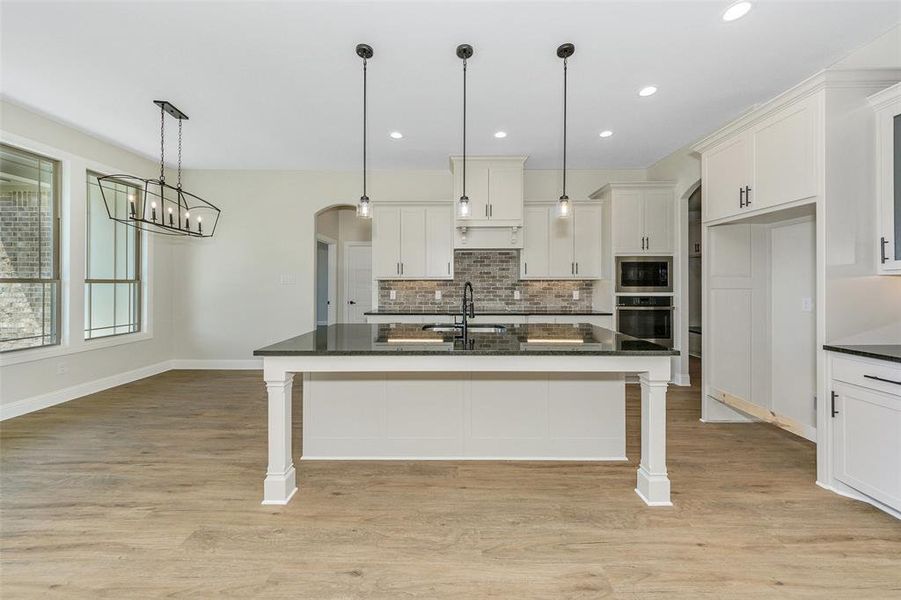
{"x":516,"y":295}
{"x":392,"y":294}
{"x":62,"y":368}
{"x":807,"y":304}
{"x":437,"y":294}
{"x":575,"y":294}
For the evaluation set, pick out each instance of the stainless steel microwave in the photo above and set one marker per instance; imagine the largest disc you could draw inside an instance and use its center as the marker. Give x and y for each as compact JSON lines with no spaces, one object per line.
{"x":643,"y":274}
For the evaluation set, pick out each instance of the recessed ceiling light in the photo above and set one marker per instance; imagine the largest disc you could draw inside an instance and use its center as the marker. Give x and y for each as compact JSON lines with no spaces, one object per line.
{"x":736,"y":11}
{"x":500,"y":134}
{"x":606,"y":133}
{"x":396,"y":135}
{"x":648,"y":90}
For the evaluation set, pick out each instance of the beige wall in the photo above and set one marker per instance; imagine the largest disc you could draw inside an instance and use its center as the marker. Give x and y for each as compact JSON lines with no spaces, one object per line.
{"x":235,"y":302}
{"x":78,"y":362}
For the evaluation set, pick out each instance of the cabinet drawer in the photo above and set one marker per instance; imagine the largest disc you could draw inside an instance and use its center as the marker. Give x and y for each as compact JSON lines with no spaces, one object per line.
{"x":871,"y":374}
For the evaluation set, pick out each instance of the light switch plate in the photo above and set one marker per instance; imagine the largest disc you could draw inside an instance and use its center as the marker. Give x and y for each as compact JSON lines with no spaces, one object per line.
{"x":807,"y":304}
{"x":575,"y":294}
{"x":287,"y":279}
{"x":437,"y":294}
{"x":516,"y":295}
{"x":392,"y":294}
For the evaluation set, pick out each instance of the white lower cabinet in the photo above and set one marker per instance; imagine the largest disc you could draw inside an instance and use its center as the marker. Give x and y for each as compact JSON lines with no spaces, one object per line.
{"x":555,"y":248}
{"x":413,"y":241}
{"x":866,"y":428}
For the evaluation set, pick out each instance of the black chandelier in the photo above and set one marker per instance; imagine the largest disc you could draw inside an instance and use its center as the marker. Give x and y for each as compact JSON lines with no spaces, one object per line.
{"x":152,"y":204}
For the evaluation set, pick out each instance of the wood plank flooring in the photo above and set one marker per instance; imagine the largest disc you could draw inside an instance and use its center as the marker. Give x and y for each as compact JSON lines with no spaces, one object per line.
{"x":153,"y":489}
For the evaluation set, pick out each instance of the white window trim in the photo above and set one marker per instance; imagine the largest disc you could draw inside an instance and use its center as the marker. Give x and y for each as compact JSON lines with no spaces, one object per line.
{"x":72,"y":243}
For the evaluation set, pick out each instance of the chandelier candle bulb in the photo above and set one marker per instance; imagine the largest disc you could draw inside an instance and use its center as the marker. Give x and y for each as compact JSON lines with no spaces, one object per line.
{"x":131,"y":201}
{"x":153,"y":211}
{"x":199,"y":224}
{"x":188,"y":221}
{"x":171,"y":224}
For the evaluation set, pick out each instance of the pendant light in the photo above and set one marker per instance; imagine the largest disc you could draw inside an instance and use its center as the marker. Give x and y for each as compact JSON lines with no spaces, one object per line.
{"x":564,"y":208}
{"x":364,"y":210}
{"x":464,"y":52}
{"x":154,"y":206}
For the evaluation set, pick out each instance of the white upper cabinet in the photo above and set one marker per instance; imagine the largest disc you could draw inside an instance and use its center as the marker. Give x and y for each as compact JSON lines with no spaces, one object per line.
{"x":412,"y":241}
{"x":494,"y":185}
{"x":555,"y":248}
{"x":642,"y":216}
{"x":536,"y":229}
{"x":767,"y":163}
{"x":587,"y":240}
{"x":726,"y":172}
{"x":887,"y":105}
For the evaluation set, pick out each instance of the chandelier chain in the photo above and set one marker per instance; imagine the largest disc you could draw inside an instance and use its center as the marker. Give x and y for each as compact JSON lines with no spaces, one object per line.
{"x":364,"y":127}
{"x":564,"y":125}
{"x":464,"y":128}
{"x":162,"y":144}
{"x":179,"y":153}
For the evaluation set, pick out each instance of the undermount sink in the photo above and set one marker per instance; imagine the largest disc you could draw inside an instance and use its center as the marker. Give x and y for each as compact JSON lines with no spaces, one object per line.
{"x":472,"y":328}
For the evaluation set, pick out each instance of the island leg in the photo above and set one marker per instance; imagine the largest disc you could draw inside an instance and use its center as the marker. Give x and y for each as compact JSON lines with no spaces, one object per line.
{"x":279,"y":486}
{"x":653,"y":483}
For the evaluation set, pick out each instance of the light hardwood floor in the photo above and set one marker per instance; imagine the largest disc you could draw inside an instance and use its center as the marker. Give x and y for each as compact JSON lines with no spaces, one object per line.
{"x":153,"y":490}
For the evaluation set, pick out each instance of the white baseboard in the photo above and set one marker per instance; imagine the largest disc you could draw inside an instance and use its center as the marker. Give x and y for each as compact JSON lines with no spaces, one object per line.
{"x":682,"y":379}
{"x":218,"y":365}
{"x":27,"y":405}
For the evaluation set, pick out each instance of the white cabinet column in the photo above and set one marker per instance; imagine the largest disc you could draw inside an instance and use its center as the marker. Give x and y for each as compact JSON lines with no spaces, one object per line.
{"x":653,"y":482}
{"x":280,"y":484}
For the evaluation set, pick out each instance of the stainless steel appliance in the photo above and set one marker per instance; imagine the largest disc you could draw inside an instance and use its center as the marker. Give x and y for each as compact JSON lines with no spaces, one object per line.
{"x":644,"y":274}
{"x":647,"y":317}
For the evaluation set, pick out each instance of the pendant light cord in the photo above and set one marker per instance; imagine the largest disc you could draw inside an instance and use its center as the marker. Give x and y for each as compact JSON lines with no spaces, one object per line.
{"x":464,"y":127}
{"x":364,"y":127}
{"x":564,"y":126}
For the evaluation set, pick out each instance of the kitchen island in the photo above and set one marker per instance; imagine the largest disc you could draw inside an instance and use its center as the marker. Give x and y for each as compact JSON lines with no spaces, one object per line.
{"x":514,"y":392}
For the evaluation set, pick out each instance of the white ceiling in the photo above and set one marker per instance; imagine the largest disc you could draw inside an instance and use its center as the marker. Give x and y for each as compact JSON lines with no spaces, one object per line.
{"x":278,"y":85}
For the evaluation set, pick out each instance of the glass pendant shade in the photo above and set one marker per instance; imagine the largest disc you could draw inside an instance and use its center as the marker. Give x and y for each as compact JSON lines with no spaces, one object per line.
{"x":463,"y":208}
{"x":564,"y":208}
{"x":364,"y":209}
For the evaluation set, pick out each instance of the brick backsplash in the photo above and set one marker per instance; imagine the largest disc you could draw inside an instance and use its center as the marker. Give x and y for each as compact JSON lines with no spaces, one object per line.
{"x":494,"y":275}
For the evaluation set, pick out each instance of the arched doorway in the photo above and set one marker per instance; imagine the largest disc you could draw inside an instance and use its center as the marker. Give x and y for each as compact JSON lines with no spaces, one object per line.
{"x":343,"y":254}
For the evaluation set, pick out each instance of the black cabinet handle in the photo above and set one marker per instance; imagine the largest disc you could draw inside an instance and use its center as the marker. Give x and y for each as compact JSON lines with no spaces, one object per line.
{"x":882,"y":379}
{"x":741,"y":197}
{"x":882,"y":243}
{"x":747,"y":195}
{"x":834,"y":412}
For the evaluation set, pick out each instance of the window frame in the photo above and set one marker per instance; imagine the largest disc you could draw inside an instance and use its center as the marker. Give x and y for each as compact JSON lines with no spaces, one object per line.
{"x":57,"y":320}
{"x":138,"y":266}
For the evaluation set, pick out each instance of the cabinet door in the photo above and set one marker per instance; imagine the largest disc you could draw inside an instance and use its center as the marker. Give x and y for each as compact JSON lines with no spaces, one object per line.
{"x":560,"y":237}
{"x":658,"y":220}
{"x":535,"y":249}
{"x":867,"y":442}
{"x":888,"y":188}
{"x":505,"y":193}
{"x":385,"y":242}
{"x":412,"y":242}
{"x":628,"y":229}
{"x":587,"y":240}
{"x":730,"y":341}
{"x":785,"y":158}
{"x":439,"y":227}
{"x":726,"y":169}
{"x":476,"y":190}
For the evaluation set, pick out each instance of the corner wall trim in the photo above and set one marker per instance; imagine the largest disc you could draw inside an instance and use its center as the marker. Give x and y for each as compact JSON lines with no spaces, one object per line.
{"x":27,"y":405}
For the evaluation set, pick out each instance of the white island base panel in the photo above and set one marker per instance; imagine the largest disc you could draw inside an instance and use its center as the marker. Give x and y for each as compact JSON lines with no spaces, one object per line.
{"x":470,"y":416}
{"x":652,"y":485}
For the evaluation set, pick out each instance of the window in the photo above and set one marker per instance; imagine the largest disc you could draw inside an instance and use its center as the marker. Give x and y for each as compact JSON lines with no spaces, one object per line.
{"x":113,"y":266}
{"x":29,"y":250}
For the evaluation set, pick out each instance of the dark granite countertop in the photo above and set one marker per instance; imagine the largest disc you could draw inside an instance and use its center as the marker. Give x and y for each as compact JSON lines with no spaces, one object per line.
{"x":889,"y":352}
{"x":489,"y":313}
{"x":394,"y":338}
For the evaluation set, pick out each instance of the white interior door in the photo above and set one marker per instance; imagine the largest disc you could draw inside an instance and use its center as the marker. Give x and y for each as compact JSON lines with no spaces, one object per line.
{"x":357,"y":282}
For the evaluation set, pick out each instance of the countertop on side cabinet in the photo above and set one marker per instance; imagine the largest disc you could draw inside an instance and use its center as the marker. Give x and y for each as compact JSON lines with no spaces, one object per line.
{"x":345,"y":339}
{"x":488,"y":313}
{"x":889,"y":352}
